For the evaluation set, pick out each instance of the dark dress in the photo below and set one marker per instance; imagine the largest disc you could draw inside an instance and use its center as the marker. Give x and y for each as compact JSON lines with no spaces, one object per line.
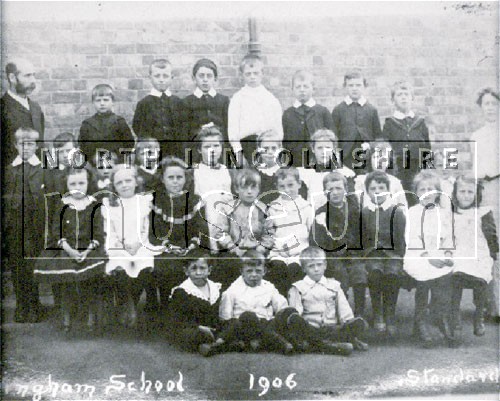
{"x":79,"y":228}
{"x":180,"y":220}
{"x":338,"y":232}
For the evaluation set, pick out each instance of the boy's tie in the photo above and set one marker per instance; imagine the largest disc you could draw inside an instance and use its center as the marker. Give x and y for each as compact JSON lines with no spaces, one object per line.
{"x":163,"y":97}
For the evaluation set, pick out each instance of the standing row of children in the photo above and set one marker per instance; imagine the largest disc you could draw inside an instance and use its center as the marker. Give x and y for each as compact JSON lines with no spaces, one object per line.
{"x":148,"y":240}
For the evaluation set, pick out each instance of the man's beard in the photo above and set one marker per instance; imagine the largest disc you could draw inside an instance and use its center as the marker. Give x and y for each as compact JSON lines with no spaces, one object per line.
{"x":24,"y":90}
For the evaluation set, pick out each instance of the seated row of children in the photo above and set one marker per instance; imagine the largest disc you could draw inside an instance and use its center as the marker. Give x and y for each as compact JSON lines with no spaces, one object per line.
{"x":141,"y":234}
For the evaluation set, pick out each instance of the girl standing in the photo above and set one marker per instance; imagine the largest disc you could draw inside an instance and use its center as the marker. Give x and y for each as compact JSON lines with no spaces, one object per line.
{"x":131,"y":255}
{"x":75,"y":257}
{"x":480,"y":245}
{"x":428,"y":255}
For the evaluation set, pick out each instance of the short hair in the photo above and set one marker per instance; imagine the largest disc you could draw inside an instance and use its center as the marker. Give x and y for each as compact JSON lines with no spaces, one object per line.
{"x":103,"y":90}
{"x":377,"y":176}
{"x":252,"y":255}
{"x":323,"y":135}
{"x":159,"y":63}
{"x":172,"y":161}
{"x":247,"y":177}
{"x":428,"y":175}
{"x":486,"y":91}
{"x":381,"y":144}
{"x":250,"y":60}
{"x":206,"y":132}
{"x":205,"y":62}
{"x":269,"y":135}
{"x":24,"y":133}
{"x":403,"y":85}
{"x":354,"y":74}
{"x":311,"y":252}
{"x":73,"y":171}
{"x":302,"y":75}
{"x":195,"y":255}
{"x":63,"y":138}
{"x":467,"y":178}
{"x":334,"y":176}
{"x":142,"y":142}
{"x":284,"y":173}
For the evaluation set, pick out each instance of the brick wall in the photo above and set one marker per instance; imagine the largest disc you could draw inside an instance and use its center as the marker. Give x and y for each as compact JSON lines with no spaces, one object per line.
{"x":447,"y":57}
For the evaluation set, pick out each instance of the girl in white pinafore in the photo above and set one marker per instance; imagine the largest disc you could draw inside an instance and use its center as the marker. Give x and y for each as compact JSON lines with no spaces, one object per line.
{"x":476,"y":248}
{"x":127,"y":243}
{"x":428,"y":255}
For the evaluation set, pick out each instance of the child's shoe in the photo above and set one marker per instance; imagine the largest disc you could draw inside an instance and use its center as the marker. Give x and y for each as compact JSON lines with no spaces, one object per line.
{"x":331,"y":348}
{"x":359,"y":345}
{"x":379,"y":324}
{"x":280,"y":343}
{"x":214,"y":348}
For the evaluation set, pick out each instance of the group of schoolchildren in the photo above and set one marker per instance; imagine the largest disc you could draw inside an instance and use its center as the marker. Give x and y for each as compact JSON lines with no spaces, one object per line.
{"x":314,"y":229}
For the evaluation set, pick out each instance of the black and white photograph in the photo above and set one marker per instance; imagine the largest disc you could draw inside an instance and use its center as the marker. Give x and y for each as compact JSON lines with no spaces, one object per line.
{"x":249,"y":200}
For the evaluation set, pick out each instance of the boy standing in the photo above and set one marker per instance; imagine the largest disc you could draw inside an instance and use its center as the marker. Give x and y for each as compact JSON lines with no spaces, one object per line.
{"x":205,"y":105}
{"x":355,"y":120}
{"x":406,"y":132}
{"x":105,"y":129}
{"x":159,"y":114}
{"x":252,"y":109}
{"x":304,"y":118}
{"x":24,"y":215}
{"x":321,"y":302}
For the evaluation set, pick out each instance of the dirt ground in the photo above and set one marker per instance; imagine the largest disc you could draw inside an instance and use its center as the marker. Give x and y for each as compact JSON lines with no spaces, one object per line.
{"x":40,"y":362}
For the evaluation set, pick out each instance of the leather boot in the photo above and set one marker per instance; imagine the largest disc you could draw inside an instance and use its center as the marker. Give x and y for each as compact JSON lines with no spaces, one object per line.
{"x":479,"y":329}
{"x":331,"y":348}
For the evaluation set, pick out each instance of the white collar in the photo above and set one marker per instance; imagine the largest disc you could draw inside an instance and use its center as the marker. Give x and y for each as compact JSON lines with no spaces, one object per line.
{"x":33,"y":160}
{"x":188,"y":286}
{"x":310,"y":103}
{"x":199,"y":93}
{"x":78,"y":204}
{"x":157,"y":93}
{"x":400,"y":115}
{"x":21,"y":100}
{"x":362,"y":100}
{"x":150,"y":171}
{"x":388,"y":203}
{"x":323,"y":281}
{"x":269,"y":171}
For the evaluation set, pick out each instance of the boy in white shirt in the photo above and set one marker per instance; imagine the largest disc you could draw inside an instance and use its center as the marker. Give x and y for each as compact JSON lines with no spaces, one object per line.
{"x":321,"y":302}
{"x":252,"y":109}
{"x":247,"y":309}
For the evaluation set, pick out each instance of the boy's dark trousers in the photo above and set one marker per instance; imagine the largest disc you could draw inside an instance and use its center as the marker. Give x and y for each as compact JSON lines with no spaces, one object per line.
{"x":249,"y":327}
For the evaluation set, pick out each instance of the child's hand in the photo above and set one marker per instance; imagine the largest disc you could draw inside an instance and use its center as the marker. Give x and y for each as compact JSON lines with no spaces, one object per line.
{"x":207,"y":330}
{"x":133,"y":247}
{"x":83,"y":255}
{"x":238,"y":251}
{"x":439,"y":263}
